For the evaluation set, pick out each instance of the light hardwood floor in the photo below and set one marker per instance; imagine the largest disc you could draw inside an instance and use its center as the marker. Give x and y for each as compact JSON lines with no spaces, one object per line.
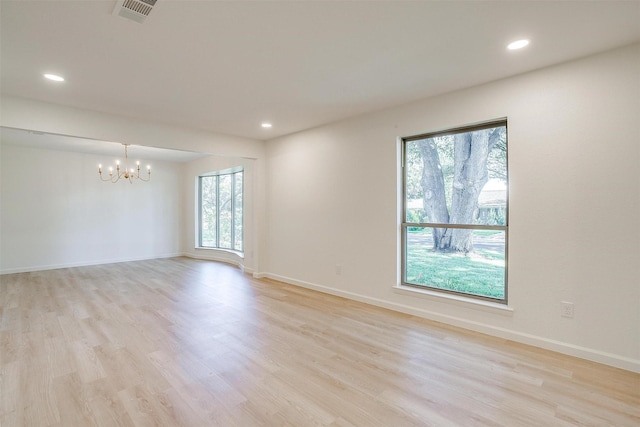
{"x":181,"y":342}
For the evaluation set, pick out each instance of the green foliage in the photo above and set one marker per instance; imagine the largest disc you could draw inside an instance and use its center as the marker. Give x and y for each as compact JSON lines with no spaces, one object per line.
{"x":208,"y":210}
{"x":497,"y":161}
{"x":495,"y":217}
{"x":486,"y":232}
{"x":413,"y":170}
{"x":416,"y":216}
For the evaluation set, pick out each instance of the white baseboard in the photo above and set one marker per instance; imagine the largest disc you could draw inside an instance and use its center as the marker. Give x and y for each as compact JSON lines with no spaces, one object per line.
{"x":84,"y":263}
{"x":210,"y":257}
{"x":114,"y":261}
{"x":610,"y":359}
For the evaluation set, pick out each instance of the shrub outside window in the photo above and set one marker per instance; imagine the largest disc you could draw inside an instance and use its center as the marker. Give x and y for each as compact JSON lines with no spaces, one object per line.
{"x":220,"y":210}
{"x":455,"y":211}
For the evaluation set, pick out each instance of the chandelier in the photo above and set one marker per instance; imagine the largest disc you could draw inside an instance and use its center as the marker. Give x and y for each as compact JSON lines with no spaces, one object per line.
{"x":125,"y":173}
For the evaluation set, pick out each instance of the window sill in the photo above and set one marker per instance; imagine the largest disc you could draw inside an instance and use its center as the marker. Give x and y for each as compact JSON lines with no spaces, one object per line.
{"x":455,"y":299}
{"x":229,"y":251}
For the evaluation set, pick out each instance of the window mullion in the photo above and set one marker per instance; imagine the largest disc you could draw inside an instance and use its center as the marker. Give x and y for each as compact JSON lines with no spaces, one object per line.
{"x":217,"y":211}
{"x":199,"y":211}
{"x":233,"y":211}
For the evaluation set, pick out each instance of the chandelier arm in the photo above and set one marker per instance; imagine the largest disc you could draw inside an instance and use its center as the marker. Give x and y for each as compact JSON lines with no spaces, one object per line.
{"x":145,"y":180}
{"x":124,"y":174}
{"x":111,"y":177}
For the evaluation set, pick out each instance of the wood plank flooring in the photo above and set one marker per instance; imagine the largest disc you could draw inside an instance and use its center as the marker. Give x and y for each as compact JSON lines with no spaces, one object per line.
{"x":182,"y":342}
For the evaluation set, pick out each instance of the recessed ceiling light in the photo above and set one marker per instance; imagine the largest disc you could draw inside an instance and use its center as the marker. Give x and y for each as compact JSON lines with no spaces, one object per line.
{"x":266,"y":125}
{"x":518,"y":44}
{"x":54,"y":77}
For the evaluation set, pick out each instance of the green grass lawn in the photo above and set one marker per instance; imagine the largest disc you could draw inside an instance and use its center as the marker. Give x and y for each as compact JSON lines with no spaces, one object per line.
{"x":478,"y":273}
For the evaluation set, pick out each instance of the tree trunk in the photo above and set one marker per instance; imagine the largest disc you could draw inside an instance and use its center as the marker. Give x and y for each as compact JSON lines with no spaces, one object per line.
{"x":471,"y":151}
{"x":434,"y":199}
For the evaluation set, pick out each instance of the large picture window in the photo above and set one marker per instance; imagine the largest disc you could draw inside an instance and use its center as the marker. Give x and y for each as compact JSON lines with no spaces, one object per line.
{"x":220,"y":210}
{"x":455,"y":211}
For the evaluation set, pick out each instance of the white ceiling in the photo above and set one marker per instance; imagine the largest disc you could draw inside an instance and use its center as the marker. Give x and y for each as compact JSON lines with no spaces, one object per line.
{"x":226,"y":66}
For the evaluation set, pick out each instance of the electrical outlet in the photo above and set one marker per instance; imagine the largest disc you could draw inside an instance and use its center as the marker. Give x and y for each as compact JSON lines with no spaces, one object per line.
{"x":338,"y":269}
{"x":567,"y":309}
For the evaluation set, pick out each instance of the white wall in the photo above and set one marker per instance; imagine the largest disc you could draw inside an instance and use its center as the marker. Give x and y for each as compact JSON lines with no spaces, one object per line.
{"x":55,"y":212}
{"x":199,"y":167}
{"x":574,"y":138}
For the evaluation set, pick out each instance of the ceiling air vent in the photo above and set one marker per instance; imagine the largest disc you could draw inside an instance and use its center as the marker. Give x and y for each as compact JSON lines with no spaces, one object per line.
{"x":136,"y":10}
